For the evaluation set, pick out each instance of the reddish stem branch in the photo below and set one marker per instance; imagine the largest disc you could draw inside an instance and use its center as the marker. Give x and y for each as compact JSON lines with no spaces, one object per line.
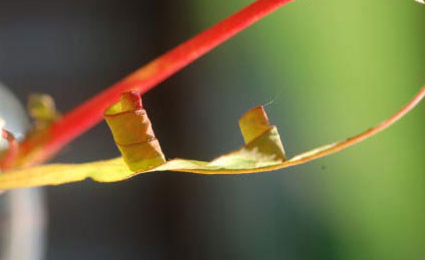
{"x":12,"y":152}
{"x":88,"y":114}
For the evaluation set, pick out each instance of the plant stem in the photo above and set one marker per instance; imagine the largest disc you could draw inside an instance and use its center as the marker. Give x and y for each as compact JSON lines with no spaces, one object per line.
{"x":89,"y":113}
{"x":12,"y":152}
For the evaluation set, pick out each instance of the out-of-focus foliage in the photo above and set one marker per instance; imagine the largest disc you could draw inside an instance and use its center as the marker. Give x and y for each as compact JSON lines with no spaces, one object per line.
{"x":347,"y":63}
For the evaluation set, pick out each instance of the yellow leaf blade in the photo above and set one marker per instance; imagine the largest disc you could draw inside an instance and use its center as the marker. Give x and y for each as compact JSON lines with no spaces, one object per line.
{"x":55,"y":174}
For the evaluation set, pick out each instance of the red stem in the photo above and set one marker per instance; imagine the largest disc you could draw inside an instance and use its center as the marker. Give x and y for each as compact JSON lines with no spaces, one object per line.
{"x":88,"y":114}
{"x":12,"y":152}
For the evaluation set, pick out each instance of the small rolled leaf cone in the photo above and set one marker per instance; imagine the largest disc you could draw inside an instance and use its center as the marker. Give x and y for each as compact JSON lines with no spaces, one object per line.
{"x":133,"y":133}
{"x":260,"y":135}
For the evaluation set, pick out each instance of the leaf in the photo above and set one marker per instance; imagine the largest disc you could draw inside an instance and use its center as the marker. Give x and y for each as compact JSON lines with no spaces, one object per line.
{"x":131,"y":128}
{"x":136,"y":140}
{"x":54,"y":174}
{"x":133,"y":134}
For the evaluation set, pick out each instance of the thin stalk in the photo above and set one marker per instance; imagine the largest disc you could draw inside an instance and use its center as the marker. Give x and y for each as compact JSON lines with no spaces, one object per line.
{"x":83,"y":117}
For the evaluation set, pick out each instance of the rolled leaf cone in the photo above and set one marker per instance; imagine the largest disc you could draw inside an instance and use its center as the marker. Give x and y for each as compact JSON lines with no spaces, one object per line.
{"x":133,"y":133}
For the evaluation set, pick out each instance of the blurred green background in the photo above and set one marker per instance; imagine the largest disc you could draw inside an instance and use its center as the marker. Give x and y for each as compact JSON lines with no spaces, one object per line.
{"x":326,"y":70}
{"x":332,"y":69}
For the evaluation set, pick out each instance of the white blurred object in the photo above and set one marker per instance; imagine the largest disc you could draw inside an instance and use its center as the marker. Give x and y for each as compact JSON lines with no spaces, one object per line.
{"x":22,"y":218}
{"x":420,"y":1}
